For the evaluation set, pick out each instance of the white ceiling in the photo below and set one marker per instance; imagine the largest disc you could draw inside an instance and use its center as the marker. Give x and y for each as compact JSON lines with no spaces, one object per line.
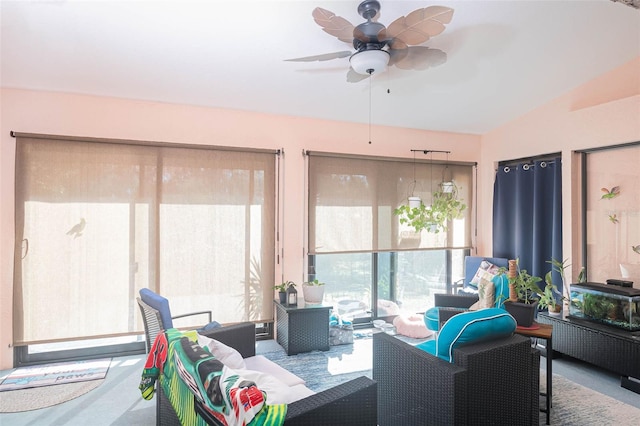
{"x":504,"y":58}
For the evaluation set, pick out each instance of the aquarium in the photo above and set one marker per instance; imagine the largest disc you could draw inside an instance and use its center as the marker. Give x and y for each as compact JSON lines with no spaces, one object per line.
{"x":606,"y":304}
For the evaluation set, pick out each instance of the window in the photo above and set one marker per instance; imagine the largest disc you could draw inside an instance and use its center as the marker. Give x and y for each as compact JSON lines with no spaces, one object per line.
{"x":98,"y":220}
{"x":611,"y":213}
{"x":373,"y":265}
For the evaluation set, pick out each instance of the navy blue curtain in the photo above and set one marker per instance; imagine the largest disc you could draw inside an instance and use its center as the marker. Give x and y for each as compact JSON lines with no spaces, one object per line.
{"x":527,"y":215}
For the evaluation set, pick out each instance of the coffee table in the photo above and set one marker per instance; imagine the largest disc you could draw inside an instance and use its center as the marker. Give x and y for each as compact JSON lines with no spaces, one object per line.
{"x":302,"y":328}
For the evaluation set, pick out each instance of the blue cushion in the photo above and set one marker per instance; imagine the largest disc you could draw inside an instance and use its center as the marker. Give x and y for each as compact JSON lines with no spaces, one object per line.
{"x":501,"y":283}
{"x":431,"y":318}
{"x":470,"y":327}
{"x":158,"y":303}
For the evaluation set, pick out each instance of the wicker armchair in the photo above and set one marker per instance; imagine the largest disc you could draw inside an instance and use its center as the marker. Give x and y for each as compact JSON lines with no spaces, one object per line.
{"x":490,"y":383}
{"x":351,"y":403}
{"x":152,"y":318}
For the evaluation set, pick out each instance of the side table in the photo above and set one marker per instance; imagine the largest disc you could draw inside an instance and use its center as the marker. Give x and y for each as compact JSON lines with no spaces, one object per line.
{"x":543,"y":331}
{"x":302,"y":328}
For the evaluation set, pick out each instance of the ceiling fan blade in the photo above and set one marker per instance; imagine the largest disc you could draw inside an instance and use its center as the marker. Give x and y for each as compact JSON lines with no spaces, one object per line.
{"x":333,"y":24}
{"x":417,"y":58}
{"x":419,"y":26}
{"x":323,"y":57}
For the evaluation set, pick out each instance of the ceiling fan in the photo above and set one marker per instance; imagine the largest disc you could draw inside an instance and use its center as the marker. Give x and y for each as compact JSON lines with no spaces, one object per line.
{"x":377,"y":46}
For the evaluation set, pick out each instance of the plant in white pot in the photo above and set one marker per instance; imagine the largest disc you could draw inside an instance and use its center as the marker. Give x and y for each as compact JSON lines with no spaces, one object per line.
{"x":313,"y":291}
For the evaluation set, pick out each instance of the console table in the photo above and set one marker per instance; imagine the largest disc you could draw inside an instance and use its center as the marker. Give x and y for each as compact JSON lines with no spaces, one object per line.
{"x":302,"y":328}
{"x":615,"y":350}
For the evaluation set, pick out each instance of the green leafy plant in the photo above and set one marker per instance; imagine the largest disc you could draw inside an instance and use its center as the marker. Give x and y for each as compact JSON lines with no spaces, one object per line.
{"x":560,"y":267}
{"x":282,"y":287}
{"x":526,"y":285}
{"x":550,"y":296}
{"x":445,"y":206}
{"x":314,"y":283}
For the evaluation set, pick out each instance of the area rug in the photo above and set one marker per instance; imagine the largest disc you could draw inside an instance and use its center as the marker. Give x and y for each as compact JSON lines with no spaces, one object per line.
{"x":573,"y":404}
{"x":16,"y":401}
{"x":55,"y":374}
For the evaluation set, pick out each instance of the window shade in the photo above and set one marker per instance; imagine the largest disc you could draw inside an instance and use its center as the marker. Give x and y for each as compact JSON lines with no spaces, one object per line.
{"x":351,"y":203}
{"x":95,"y":222}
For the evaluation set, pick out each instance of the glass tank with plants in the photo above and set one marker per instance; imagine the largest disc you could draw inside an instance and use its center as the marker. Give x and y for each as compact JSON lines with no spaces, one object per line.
{"x":606,"y":304}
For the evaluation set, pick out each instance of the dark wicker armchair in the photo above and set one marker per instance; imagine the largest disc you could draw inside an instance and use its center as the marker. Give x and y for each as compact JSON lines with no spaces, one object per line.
{"x":351,"y":403}
{"x":490,"y":383}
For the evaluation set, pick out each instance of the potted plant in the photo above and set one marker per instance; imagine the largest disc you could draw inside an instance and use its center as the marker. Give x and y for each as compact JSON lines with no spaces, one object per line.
{"x":445,"y":206}
{"x":523,"y":300}
{"x":313,"y":291}
{"x":549,"y":297}
{"x":282,"y":290}
{"x":560,"y":267}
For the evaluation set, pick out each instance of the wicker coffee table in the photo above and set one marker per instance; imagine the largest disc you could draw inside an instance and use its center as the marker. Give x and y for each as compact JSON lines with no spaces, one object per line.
{"x":302,"y":328}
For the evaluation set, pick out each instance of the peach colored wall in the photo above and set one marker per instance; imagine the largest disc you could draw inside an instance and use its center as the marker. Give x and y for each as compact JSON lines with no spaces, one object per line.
{"x":77,"y":115}
{"x":605,"y":111}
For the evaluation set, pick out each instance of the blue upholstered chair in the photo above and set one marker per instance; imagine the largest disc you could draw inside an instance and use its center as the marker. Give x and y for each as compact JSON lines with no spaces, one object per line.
{"x":156,"y":315}
{"x":468,"y":294}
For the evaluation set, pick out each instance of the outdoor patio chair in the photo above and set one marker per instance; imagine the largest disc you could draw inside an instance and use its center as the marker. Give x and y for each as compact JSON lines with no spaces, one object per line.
{"x":156,"y":315}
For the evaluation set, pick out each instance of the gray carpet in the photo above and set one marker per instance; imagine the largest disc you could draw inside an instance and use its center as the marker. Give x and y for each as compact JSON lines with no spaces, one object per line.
{"x":574,"y":404}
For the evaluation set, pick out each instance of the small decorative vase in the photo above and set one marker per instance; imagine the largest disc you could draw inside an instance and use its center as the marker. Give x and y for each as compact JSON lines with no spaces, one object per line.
{"x":283,"y":297}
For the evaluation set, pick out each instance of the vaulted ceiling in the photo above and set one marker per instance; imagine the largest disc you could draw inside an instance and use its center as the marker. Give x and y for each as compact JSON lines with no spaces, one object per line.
{"x":503,"y":58}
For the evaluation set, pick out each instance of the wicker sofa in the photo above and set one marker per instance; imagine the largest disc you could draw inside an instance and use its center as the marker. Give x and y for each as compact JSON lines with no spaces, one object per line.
{"x":492,"y":383}
{"x":351,"y":403}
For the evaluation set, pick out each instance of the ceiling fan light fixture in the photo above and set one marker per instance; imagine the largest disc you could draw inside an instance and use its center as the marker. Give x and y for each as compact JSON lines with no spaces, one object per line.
{"x":368,"y":62}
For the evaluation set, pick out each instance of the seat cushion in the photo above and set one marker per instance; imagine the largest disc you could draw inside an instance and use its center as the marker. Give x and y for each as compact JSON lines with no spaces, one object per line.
{"x":470,"y":327}
{"x":158,"y":303}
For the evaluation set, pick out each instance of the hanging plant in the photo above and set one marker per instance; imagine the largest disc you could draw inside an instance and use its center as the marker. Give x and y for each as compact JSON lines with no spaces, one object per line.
{"x":445,"y":206}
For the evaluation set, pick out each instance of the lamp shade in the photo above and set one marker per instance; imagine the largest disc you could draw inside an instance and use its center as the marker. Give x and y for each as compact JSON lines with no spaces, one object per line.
{"x":369,"y":61}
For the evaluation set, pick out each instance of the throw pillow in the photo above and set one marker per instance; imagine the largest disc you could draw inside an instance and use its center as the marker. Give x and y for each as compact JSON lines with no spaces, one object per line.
{"x":486,"y":295}
{"x":411,"y":326}
{"x":486,"y":270}
{"x":223,"y":353}
{"x":470,"y":327}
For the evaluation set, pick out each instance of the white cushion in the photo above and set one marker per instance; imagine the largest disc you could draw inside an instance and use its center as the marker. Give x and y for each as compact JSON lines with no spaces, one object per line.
{"x":300,"y":392}
{"x":225,"y":354}
{"x":277,"y":392}
{"x":262,"y":364}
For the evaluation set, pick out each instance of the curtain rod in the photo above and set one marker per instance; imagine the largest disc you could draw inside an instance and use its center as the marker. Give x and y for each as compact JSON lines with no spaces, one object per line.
{"x":381,"y":158}
{"x":141,"y":143}
{"x":526,"y":160}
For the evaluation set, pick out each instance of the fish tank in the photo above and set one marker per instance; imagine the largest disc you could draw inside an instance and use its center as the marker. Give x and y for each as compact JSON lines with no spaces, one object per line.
{"x":606,"y":304}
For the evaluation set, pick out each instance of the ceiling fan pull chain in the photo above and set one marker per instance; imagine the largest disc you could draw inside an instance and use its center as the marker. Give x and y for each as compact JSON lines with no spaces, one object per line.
{"x":370,"y":72}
